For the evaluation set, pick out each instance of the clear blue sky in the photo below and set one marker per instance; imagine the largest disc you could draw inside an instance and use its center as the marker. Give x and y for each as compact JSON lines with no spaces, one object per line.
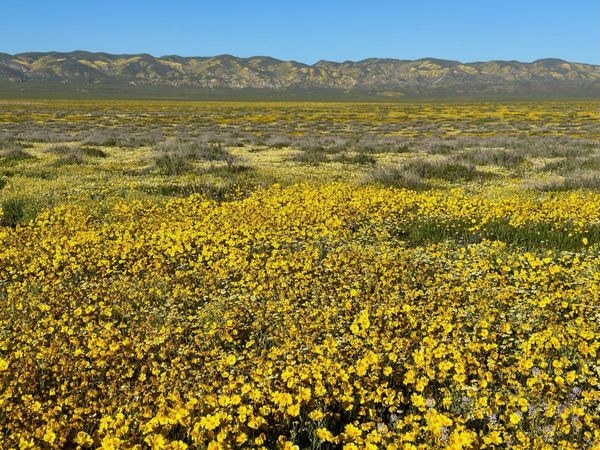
{"x":307,"y":30}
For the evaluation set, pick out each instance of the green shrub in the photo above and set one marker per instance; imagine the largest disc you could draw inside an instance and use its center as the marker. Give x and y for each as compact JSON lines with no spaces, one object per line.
{"x":491,"y":157}
{"x":171,"y":164}
{"x":443,"y":169}
{"x":93,"y":152}
{"x":17,"y":210}
{"x":567,"y":165}
{"x":278,"y":141}
{"x":67,"y":150}
{"x":312,"y":156}
{"x":14,"y":153}
{"x":60,"y":150}
{"x":396,"y":177}
{"x":382,"y":144}
{"x":68,"y":160}
{"x":174,"y":155}
{"x":359,"y":158}
{"x":587,"y":180}
{"x":194,"y":150}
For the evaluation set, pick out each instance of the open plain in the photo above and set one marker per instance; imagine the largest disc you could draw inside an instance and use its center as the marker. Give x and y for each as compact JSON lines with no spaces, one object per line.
{"x":258,"y":275}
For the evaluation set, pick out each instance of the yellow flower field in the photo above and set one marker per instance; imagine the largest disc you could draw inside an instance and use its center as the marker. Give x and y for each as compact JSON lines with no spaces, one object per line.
{"x":308,"y":316}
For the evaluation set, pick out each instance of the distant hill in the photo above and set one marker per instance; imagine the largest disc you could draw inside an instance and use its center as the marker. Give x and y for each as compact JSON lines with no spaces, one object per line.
{"x":102,"y":74}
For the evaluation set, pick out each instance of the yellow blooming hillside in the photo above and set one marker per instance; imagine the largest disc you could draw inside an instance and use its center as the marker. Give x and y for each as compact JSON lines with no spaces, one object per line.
{"x":304,"y":317}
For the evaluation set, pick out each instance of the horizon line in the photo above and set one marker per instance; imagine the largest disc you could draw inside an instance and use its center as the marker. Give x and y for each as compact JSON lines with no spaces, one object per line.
{"x":300,"y":62}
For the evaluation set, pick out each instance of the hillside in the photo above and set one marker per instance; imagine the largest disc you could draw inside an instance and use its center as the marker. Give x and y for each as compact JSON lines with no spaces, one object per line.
{"x":84,"y":72}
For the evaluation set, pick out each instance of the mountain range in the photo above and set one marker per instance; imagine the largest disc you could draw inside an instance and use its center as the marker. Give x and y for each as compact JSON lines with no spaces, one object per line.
{"x":87,"y":73}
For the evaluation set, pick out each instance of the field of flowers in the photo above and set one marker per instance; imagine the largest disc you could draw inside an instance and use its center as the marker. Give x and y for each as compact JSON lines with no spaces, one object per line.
{"x":65,"y":151}
{"x":306,"y":316}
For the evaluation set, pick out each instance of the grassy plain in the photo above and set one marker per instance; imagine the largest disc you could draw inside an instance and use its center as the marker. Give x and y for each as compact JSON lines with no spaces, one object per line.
{"x":269,"y":275}
{"x":540,"y":145}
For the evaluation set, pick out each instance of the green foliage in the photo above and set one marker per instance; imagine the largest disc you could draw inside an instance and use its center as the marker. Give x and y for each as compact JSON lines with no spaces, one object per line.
{"x":67,"y":150}
{"x":443,"y":169}
{"x":69,"y":160}
{"x":14,"y":154}
{"x":93,"y":152}
{"x":494,"y":157}
{"x":396,"y":177}
{"x":312,"y":156}
{"x":174,"y":156}
{"x":17,"y":210}
{"x":359,"y":159}
{"x":171,"y":164}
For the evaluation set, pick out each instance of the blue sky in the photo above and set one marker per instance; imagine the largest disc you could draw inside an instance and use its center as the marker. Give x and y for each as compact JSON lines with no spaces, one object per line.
{"x":307,"y":30}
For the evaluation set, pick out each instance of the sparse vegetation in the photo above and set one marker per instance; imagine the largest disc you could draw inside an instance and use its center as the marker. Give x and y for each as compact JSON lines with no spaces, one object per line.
{"x":311,"y":155}
{"x":174,"y":156}
{"x":13,"y":153}
{"x":576,"y":180}
{"x":68,"y":160}
{"x":359,"y":158}
{"x":396,"y":177}
{"x":444,"y":169}
{"x":70,"y":150}
{"x":492,"y":157}
{"x":567,"y":165}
